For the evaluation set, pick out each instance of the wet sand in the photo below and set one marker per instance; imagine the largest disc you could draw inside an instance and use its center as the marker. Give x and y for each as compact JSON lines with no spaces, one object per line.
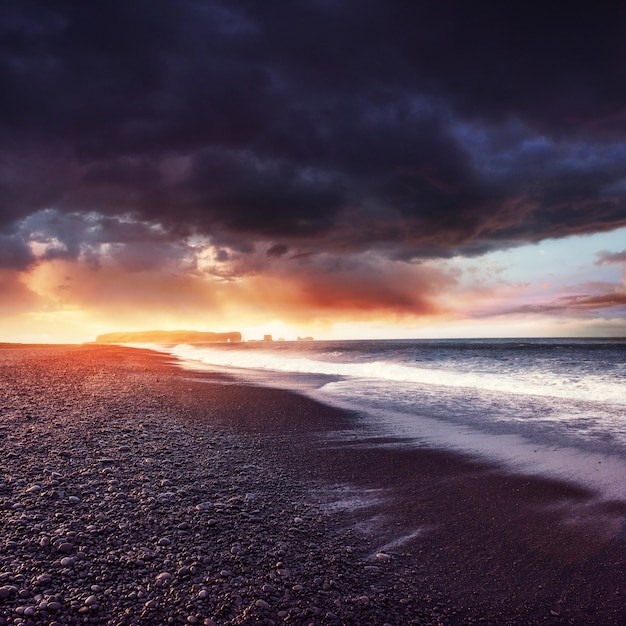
{"x":252,"y":509}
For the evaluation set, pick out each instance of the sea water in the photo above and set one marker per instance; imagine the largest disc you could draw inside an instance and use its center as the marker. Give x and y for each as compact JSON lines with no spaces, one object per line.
{"x":554,"y":407}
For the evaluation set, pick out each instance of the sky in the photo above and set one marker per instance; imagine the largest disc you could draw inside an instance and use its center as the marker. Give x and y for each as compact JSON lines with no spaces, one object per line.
{"x":310,"y":167}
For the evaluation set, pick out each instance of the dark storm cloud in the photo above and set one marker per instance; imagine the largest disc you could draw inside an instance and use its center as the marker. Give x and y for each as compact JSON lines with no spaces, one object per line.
{"x":70,"y":236}
{"x":421,"y":128}
{"x":246,"y":193}
{"x":277,"y":250}
{"x":14,"y":254}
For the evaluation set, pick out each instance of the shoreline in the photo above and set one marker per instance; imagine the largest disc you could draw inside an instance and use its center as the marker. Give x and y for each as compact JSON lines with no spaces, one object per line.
{"x":461,"y":539}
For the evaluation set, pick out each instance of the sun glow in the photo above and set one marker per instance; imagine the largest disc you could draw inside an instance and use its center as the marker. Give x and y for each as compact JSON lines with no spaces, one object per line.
{"x":526,"y":291}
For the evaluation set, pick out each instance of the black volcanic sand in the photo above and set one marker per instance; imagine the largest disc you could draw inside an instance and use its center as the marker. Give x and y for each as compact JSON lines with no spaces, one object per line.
{"x":135,"y":492}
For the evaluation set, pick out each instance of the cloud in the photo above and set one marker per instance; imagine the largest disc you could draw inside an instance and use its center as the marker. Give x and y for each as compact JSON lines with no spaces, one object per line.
{"x":608,"y":258}
{"x":412,"y":129}
{"x":15,"y":296}
{"x":598,"y":300}
{"x":14,"y":253}
{"x":305,"y":290}
{"x":582,"y":304}
{"x":51,"y":234}
{"x":364,"y":287}
{"x":277,"y":250}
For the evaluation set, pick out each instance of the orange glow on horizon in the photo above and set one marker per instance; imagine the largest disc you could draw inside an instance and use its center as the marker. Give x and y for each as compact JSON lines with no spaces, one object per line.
{"x":61,"y":301}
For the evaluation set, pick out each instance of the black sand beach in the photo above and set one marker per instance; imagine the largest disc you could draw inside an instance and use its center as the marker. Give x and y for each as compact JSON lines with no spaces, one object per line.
{"x":135,"y":492}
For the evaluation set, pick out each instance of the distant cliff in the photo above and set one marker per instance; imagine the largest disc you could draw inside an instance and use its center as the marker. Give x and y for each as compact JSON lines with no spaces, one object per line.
{"x":168,"y":336}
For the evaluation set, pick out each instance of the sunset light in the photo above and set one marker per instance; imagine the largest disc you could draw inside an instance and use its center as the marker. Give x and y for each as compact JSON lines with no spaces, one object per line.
{"x":383,"y":199}
{"x":565,"y":287}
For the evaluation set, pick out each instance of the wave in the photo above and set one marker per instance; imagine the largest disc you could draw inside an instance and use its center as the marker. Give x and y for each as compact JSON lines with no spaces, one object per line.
{"x":526,"y":382}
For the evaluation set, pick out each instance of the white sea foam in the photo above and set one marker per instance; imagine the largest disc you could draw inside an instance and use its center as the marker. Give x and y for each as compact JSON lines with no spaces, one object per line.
{"x":548,"y":409}
{"x":527,"y":382}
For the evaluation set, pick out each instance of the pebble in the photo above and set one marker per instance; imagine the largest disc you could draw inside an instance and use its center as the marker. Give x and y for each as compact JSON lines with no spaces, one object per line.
{"x":6,"y":592}
{"x":164,"y":577}
{"x":66,"y":547}
{"x":143,"y":546}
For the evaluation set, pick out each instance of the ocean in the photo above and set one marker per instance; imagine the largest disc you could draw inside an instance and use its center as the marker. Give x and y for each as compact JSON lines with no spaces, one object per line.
{"x":553,"y":407}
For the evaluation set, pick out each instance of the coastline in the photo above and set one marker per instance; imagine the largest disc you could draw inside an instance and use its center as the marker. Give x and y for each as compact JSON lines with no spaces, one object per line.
{"x":252,"y":514}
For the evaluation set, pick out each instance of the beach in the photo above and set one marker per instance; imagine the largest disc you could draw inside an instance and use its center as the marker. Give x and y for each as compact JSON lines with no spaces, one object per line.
{"x":133,"y":491}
